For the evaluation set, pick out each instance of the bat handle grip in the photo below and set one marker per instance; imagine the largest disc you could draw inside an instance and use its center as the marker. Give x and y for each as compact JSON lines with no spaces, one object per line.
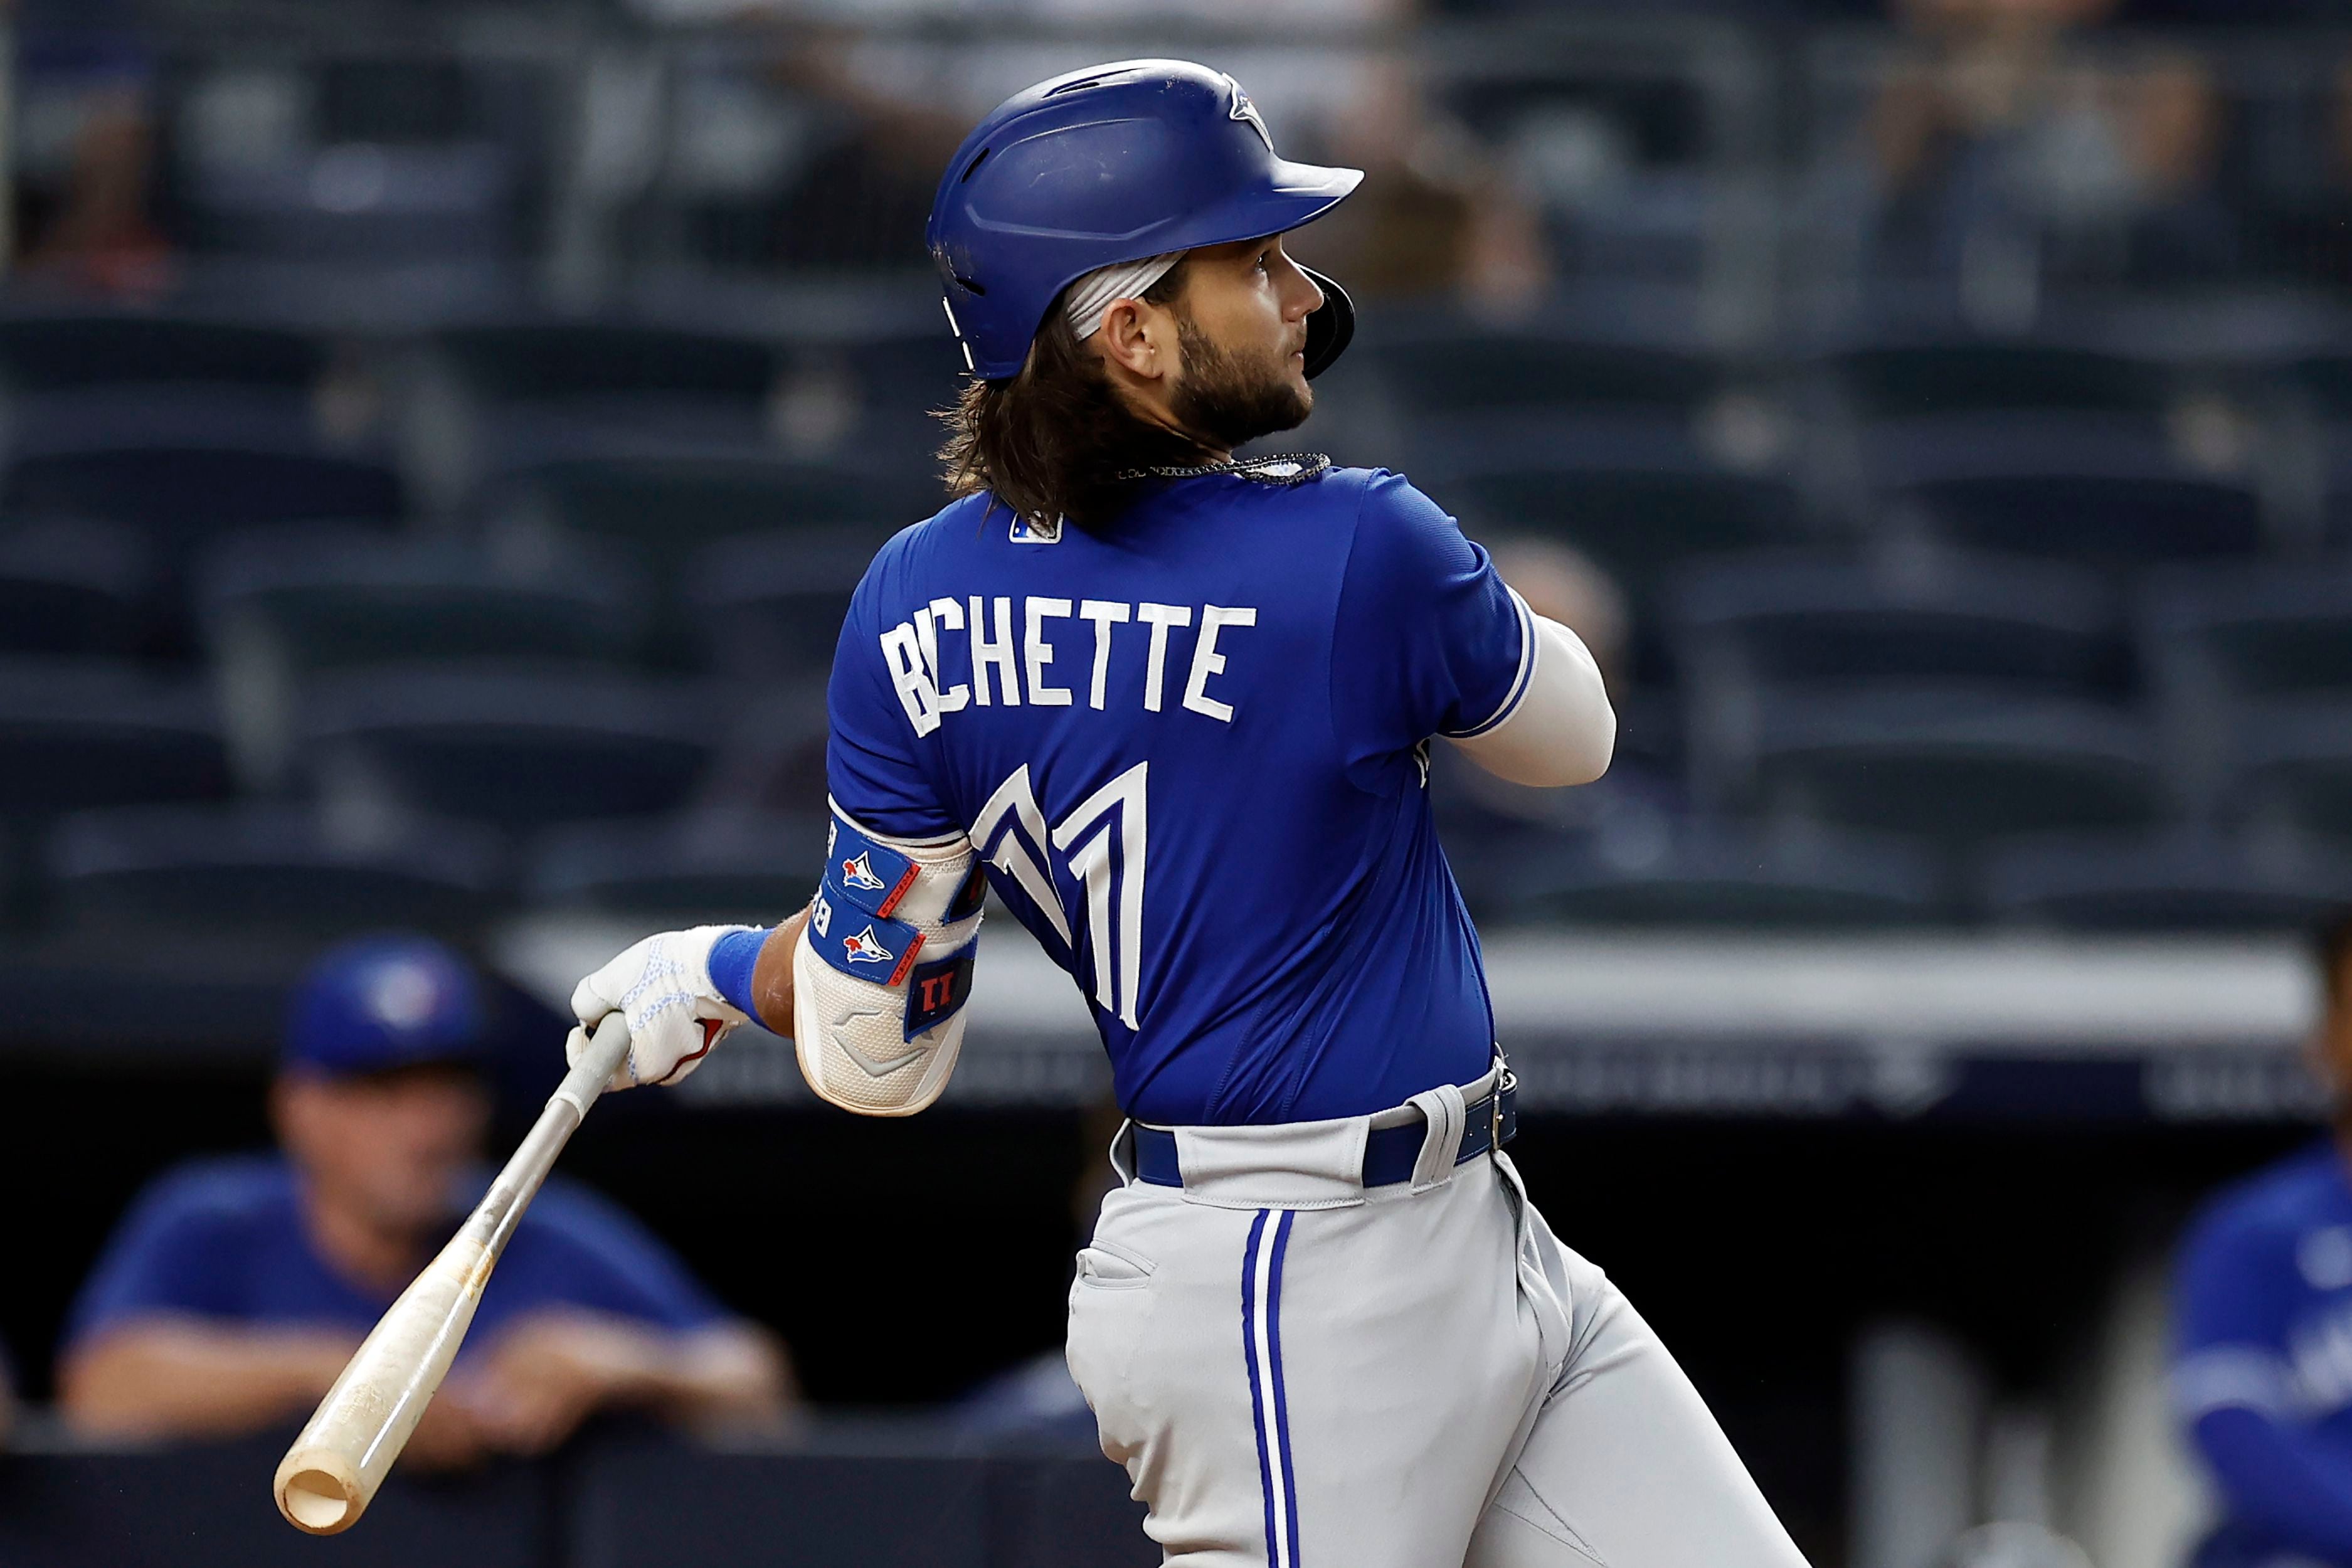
{"x":510,"y":1193}
{"x":608,"y":1047}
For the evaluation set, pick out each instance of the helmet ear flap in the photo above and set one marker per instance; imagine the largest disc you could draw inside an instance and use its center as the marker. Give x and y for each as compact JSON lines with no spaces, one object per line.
{"x":1329,"y":326}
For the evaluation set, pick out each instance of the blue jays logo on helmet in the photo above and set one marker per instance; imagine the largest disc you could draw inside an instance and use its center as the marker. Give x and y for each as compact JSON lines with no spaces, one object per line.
{"x":858,"y":871}
{"x":1244,"y":110}
{"x":1105,"y":165}
{"x":866,"y":948}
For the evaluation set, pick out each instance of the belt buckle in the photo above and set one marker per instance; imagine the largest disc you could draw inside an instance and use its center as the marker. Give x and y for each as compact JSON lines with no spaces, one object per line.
{"x":1510,"y":1081}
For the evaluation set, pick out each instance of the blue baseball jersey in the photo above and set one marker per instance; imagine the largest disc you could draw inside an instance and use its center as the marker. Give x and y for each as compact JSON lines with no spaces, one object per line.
{"x":1190,"y":749}
{"x":2263,"y":1374}
{"x":224,"y":1239}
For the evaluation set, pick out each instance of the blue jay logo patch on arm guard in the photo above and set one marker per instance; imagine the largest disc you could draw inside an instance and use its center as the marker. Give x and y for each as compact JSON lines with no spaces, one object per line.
{"x":882,"y":950}
{"x":864,"y":883}
{"x":862,"y":874}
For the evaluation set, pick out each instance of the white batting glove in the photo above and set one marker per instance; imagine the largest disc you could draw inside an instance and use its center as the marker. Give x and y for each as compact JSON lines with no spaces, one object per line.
{"x":662,"y":987}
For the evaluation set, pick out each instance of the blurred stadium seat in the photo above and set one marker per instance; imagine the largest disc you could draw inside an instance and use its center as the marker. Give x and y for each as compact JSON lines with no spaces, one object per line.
{"x":513,"y":748}
{"x":877,"y":397}
{"x":92,"y":733}
{"x":283,"y":606}
{"x":2182,"y":882}
{"x":1900,"y":380}
{"x":773,"y":757}
{"x":322,"y":599}
{"x":2043,"y":449}
{"x":1446,"y":365}
{"x":2273,"y":630}
{"x":644,"y":521}
{"x":72,"y":588}
{"x":694,"y":869}
{"x":1955,"y":766}
{"x":1711,"y":876}
{"x":203,"y":473}
{"x":2295,"y":765}
{"x":376,"y":206}
{"x":534,"y":391}
{"x":2320,"y":389}
{"x":265,"y":866}
{"x":665,"y":505}
{"x":2120,"y":501}
{"x":2223,"y":644}
{"x":63,"y":352}
{"x":1640,"y":496}
{"x":1807,"y":620}
{"x":580,"y":364}
{"x":773,"y":605}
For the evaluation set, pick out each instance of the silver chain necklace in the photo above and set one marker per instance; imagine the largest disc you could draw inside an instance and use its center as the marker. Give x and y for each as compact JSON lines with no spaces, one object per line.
{"x":1281,"y":469}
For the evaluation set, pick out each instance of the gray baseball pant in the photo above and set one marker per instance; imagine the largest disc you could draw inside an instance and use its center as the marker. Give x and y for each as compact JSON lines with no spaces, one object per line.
{"x":1298,"y":1372}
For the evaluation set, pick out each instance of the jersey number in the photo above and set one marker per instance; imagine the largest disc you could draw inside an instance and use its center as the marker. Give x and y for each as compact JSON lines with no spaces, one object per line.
{"x":1103,"y":844}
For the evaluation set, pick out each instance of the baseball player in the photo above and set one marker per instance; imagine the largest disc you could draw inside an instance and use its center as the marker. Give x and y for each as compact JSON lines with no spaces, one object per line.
{"x":2262,"y":1375}
{"x":1175,"y":709}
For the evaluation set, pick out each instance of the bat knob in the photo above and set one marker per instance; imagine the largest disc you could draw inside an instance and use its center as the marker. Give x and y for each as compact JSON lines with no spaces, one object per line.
{"x":317,"y":1493}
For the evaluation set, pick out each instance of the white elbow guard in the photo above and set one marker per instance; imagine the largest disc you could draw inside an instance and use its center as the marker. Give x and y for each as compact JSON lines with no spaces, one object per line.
{"x":1562,"y":729}
{"x":883,"y":969}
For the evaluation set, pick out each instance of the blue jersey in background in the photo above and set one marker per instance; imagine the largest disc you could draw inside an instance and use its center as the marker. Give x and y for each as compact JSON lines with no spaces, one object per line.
{"x":2264,"y":1370}
{"x":224,"y":1239}
{"x":1189,"y":747}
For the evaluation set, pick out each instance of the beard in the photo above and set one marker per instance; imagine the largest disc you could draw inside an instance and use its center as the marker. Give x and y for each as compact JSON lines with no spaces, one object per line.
{"x":1227,"y":400}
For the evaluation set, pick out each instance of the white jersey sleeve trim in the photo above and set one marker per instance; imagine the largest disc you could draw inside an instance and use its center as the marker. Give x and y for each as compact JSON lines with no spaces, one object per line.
{"x":1561,"y":731}
{"x":938,"y":841}
{"x":2223,"y":1377}
{"x":1519,"y":680}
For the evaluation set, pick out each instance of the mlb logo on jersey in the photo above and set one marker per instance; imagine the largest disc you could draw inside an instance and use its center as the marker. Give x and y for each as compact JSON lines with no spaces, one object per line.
{"x":858,"y":871}
{"x":1024,"y":532}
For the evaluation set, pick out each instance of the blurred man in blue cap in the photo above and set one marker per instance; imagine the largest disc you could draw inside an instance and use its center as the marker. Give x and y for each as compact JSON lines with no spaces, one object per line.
{"x":233,"y":1293}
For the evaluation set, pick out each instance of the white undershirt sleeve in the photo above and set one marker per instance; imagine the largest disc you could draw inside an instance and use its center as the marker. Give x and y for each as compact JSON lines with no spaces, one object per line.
{"x":1562,"y":730}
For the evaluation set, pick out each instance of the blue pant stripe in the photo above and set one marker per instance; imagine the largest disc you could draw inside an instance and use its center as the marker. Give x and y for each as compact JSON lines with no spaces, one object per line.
{"x":1281,"y":1398}
{"x":1256,"y":1385}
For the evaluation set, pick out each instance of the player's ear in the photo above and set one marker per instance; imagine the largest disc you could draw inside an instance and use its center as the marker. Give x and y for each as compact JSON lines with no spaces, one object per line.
{"x":1138,"y":337}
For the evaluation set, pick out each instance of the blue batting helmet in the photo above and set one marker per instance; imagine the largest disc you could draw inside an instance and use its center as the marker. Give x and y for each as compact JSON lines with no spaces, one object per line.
{"x":1113,"y":163}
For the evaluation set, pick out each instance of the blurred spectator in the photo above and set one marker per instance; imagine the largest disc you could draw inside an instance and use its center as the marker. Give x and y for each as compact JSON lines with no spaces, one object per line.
{"x":2004,"y":159}
{"x":230,"y":1298}
{"x":1435,"y":215}
{"x":2263,"y":1374}
{"x":85,"y":144}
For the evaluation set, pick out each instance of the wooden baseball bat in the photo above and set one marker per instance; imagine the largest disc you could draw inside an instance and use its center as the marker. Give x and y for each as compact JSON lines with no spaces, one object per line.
{"x":330,"y":1474}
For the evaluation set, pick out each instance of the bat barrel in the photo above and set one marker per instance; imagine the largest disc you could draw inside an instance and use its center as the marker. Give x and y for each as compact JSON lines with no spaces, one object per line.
{"x":330,"y":1474}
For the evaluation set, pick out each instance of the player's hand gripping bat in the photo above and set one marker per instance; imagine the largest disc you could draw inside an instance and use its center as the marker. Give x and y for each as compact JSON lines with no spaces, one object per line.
{"x":330,"y":1474}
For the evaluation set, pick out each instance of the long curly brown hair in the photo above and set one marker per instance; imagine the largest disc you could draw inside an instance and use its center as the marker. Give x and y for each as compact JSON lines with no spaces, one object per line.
{"x":1051,"y":443}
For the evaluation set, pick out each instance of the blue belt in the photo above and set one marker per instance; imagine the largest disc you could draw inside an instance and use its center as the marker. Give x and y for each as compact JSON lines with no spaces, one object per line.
{"x":1389,"y":1152}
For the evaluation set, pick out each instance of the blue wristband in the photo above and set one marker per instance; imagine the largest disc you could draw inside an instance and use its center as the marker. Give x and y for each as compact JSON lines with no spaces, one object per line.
{"x":732,"y":958}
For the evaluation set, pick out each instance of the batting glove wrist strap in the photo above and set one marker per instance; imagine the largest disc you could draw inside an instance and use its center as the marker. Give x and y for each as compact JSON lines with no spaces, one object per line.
{"x":734,"y":957}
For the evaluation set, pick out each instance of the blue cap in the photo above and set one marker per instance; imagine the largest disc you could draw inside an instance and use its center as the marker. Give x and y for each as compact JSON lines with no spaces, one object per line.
{"x":1113,"y":163}
{"x":385,"y":1002}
